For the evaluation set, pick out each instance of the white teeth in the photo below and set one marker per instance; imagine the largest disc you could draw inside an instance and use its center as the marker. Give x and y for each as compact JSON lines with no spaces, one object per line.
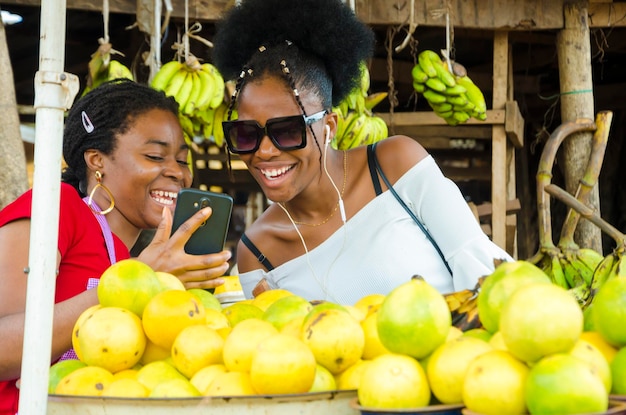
{"x":274,"y":173}
{"x":163,"y":197}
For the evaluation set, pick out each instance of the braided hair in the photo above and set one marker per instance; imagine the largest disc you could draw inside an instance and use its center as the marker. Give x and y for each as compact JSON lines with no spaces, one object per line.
{"x":322,"y":43}
{"x":98,"y":119}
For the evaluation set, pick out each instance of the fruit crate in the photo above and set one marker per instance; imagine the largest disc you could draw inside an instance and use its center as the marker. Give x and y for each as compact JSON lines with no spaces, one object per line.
{"x":335,"y":403}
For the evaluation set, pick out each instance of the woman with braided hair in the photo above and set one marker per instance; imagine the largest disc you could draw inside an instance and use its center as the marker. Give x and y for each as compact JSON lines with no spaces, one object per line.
{"x":126,"y":161}
{"x":334,"y":231}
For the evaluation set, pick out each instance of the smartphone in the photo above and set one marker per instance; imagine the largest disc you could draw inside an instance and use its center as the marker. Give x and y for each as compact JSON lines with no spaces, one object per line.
{"x":210,"y":237}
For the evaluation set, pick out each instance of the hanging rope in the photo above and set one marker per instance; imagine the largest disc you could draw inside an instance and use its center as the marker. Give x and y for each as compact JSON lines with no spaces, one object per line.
{"x":411,"y":30}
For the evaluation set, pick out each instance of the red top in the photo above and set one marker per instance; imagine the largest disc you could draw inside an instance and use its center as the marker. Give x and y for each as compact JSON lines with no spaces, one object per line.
{"x":83,"y":255}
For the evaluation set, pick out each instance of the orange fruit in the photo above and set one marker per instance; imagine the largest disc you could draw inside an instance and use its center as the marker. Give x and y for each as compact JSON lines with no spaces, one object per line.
{"x":168,"y":313}
{"x":126,"y":388}
{"x":500,"y":285}
{"x":231,"y":384}
{"x":609,"y":311}
{"x":564,"y":384}
{"x":242,"y":342}
{"x":203,"y":378}
{"x":393,"y":381}
{"x":83,"y":316}
{"x":85,"y":381}
{"x":169,"y":281}
{"x":61,"y":369}
{"x":112,"y":338}
{"x":598,"y":341}
{"x":540,"y":319}
{"x":591,"y":355}
{"x":154,"y":373}
{"x":128,"y":284}
{"x":153,"y":353}
{"x":324,"y":380}
{"x":208,"y":300}
{"x":414,"y":319}
{"x":195,"y":347}
{"x":350,"y":379}
{"x":266,"y":298}
{"x":285,"y":309}
{"x":174,"y":388}
{"x":240,"y":311}
{"x":373,"y":346}
{"x":282,"y":364}
{"x":369,"y":302}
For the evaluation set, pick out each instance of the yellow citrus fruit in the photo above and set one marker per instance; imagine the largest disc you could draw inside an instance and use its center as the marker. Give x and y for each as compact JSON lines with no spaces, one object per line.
{"x":169,"y":281}
{"x":85,"y":381}
{"x":208,"y":300}
{"x":216,"y":319}
{"x":174,"y":388}
{"x":154,"y":373}
{"x":282,"y":364}
{"x":500,"y":285}
{"x":453,"y":333}
{"x":231,"y":284}
{"x":324,"y":380}
{"x":597,"y":340}
{"x":563,"y":384}
{"x":266,"y":298}
{"x":590,"y":354}
{"x":168,"y":312}
{"x":285,"y":309}
{"x":112,"y":338}
{"x":231,"y":384}
{"x":83,"y":316}
{"x":369,"y":302}
{"x":394,"y":381}
{"x":448,"y":364}
{"x":540,"y":319}
{"x":129,"y":284}
{"x":358,"y":314}
{"x":618,"y":372}
{"x":373,"y":346}
{"x":495,"y":383}
{"x":196,"y":347}
{"x":61,"y":369}
{"x":153,"y":353}
{"x":609,"y":311}
{"x":294,"y":327}
{"x":414,"y":319}
{"x":497,"y":341}
{"x":350,"y":379}
{"x":479,"y":333}
{"x":238,"y":312}
{"x":126,"y":374}
{"x":126,"y":388}
{"x":243,"y":340}
{"x":335,"y":338}
{"x":203,"y":378}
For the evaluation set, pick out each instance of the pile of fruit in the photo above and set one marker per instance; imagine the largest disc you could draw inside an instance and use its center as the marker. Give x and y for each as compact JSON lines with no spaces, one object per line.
{"x":150,"y":337}
{"x":447,"y":89}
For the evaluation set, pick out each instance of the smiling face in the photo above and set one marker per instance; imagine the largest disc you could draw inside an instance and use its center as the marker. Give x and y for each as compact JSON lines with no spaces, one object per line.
{"x":146,"y":170}
{"x":281,"y":174}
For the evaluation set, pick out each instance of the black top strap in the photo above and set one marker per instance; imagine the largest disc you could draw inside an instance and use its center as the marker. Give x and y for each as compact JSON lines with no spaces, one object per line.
{"x":399,"y":199}
{"x":255,"y":251}
{"x":371,"y":162}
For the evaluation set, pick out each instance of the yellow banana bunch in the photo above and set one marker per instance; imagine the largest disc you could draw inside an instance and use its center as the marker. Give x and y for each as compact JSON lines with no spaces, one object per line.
{"x":451,"y":94}
{"x":102,"y":68}
{"x":463,"y":307}
{"x":357,"y":124}
{"x":199,"y":90}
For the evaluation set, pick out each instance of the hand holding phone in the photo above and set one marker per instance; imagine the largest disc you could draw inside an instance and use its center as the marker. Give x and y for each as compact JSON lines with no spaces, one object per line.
{"x":210,"y":237}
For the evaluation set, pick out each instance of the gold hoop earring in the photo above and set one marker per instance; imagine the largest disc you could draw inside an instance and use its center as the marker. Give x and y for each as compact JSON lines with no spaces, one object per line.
{"x":106,"y":190}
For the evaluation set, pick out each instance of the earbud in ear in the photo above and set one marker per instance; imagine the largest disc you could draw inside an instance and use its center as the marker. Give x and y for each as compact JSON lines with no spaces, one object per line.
{"x":327,"y":127}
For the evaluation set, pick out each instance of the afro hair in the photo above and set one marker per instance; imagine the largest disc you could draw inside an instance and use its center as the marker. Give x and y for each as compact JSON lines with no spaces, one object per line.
{"x":328,"y":30}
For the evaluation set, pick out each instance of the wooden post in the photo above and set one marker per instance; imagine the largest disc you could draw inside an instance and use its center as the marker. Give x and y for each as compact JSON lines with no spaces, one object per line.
{"x":576,"y":84}
{"x":499,"y":175}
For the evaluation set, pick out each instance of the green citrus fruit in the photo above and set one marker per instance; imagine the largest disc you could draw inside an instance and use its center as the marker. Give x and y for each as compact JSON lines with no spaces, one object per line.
{"x":129,"y":284}
{"x":494,"y":384}
{"x":540,"y":319}
{"x":61,"y":369}
{"x":238,"y":312}
{"x":562,"y":384}
{"x":447,"y":365}
{"x":393,"y":381}
{"x":618,"y":372}
{"x":285,"y":309}
{"x":591,"y":355}
{"x":500,"y":285}
{"x":324,"y":380}
{"x":414,"y":319}
{"x":207,"y":299}
{"x":609,"y":311}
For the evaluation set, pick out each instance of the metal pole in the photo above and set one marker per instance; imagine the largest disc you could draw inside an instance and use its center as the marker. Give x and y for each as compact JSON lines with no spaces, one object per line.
{"x":54,"y":93}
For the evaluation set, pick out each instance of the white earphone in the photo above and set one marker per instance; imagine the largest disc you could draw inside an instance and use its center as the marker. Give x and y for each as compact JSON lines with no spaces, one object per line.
{"x":327,"y":140}
{"x":342,"y":210}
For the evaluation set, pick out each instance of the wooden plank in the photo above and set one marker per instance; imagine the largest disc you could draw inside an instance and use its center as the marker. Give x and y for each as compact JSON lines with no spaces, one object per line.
{"x":499,"y":140}
{"x":514,"y":124}
{"x":435,"y":131}
{"x":479,"y":14}
{"x":495,"y":117}
{"x":607,"y":15}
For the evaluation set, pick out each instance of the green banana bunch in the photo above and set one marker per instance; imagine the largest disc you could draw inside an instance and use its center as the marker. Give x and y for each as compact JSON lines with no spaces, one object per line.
{"x":102,"y":68}
{"x":451,"y":94}
{"x":199,"y":90}
{"x":357,"y":124}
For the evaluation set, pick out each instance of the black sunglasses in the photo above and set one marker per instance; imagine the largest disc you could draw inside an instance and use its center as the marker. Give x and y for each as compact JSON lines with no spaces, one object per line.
{"x":287,"y":133}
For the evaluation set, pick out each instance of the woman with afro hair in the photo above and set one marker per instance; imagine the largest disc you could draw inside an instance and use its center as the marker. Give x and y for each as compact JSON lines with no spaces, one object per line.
{"x":333,"y":231}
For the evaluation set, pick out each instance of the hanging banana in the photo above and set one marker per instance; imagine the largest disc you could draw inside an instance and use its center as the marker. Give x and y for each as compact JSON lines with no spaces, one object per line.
{"x":102,"y":67}
{"x":448,"y":90}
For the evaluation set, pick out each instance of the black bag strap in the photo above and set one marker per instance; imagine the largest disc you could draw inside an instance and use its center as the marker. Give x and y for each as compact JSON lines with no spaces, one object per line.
{"x":255,"y":251}
{"x":399,"y":199}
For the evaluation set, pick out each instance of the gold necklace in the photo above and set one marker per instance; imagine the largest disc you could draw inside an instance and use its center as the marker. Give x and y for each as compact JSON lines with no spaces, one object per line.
{"x":343,"y":188}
